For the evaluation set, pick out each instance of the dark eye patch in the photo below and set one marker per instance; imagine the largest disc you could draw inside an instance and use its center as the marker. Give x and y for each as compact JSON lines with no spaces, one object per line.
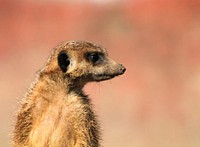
{"x":94,"y":57}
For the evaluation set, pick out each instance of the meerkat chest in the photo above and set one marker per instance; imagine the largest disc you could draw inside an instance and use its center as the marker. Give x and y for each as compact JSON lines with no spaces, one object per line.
{"x":65,"y":122}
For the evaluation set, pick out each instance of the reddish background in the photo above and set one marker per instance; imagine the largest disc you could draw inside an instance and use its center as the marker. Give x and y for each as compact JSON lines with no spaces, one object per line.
{"x":156,"y":103}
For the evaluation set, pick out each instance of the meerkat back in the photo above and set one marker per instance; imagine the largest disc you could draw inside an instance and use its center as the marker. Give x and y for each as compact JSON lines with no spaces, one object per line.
{"x":55,"y":112}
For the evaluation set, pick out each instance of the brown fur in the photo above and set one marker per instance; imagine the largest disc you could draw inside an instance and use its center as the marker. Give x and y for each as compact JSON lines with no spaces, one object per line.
{"x":55,"y":112}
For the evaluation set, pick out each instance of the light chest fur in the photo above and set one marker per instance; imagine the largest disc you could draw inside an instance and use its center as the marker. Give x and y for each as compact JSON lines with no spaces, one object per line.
{"x":60,"y":116}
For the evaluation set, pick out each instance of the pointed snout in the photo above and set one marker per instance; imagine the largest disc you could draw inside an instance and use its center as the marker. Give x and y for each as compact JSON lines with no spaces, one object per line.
{"x":114,"y":68}
{"x":122,"y":69}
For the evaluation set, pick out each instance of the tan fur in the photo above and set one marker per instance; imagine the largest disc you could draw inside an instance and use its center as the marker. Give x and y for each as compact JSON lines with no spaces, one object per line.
{"x":55,"y":112}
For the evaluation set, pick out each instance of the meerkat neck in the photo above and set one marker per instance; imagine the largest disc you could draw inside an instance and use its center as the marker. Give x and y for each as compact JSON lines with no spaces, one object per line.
{"x":63,"y":113}
{"x":57,"y":82}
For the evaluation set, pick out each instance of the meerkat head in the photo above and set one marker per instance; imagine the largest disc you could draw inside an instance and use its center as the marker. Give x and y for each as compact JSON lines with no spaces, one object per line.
{"x":84,"y":62}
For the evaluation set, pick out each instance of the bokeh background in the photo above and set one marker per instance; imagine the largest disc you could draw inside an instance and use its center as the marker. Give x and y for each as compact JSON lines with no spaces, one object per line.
{"x":156,"y":103}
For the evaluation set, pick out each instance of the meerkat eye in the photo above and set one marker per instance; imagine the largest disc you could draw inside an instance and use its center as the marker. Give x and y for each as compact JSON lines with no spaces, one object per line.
{"x":94,"y":57}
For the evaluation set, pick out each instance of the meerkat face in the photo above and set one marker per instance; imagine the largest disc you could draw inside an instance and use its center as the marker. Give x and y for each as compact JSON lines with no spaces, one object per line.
{"x":87,"y":62}
{"x":101,"y":66}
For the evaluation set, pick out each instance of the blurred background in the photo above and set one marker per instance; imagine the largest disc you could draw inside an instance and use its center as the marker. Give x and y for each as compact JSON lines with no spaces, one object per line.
{"x":156,"y":103}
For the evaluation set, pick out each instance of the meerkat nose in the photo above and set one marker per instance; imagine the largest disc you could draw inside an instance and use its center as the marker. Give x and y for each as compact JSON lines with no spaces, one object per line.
{"x":122,"y":68}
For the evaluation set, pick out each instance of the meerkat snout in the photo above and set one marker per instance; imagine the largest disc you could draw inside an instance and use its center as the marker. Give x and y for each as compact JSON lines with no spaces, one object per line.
{"x":122,"y":69}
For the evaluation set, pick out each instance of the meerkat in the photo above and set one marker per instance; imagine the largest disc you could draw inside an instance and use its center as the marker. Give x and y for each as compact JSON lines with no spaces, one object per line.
{"x":55,"y":112}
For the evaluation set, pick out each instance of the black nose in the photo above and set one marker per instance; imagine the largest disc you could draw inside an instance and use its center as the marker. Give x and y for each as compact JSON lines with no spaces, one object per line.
{"x":122,"y":68}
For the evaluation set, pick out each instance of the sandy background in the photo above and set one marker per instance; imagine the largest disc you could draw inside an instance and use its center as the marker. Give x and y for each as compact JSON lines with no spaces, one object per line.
{"x":155,"y":104}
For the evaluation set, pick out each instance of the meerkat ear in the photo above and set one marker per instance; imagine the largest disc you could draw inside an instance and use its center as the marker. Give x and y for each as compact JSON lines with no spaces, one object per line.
{"x":63,"y":61}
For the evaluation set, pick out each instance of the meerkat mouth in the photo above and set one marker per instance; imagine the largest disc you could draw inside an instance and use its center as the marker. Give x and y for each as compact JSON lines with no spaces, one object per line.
{"x":103,"y":77}
{"x":106,"y":75}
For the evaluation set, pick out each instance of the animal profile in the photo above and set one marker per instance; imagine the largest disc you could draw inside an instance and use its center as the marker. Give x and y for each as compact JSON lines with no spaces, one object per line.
{"x":55,"y":112}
